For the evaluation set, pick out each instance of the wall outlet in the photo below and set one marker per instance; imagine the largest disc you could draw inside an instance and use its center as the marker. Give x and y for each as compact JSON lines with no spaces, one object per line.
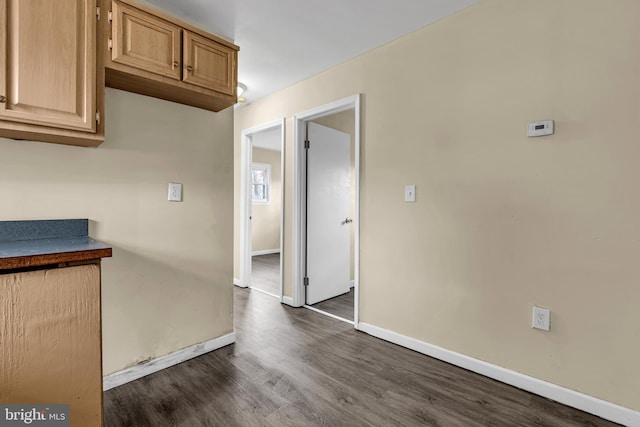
{"x":541,"y":318}
{"x":175,"y":192}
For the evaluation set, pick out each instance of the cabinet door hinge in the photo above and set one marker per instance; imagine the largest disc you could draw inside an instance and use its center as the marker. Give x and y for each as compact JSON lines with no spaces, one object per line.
{"x":110,"y":44}
{"x":307,"y":144}
{"x":306,"y":281}
{"x":98,"y":118}
{"x":98,"y":12}
{"x":110,"y":16}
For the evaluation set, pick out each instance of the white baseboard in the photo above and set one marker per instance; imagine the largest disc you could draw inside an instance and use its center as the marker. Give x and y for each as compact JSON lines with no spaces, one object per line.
{"x":266,"y":252}
{"x":154,"y":365}
{"x":288,"y":301}
{"x":238,"y":283}
{"x":592,"y":405}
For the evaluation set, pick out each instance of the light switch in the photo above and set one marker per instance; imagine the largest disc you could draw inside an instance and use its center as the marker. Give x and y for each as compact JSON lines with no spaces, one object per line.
{"x":175,"y":192}
{"x":409,"y":193}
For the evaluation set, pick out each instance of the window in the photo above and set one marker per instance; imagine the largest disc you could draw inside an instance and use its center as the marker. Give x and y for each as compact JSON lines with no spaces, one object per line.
{"x":260,"y":183}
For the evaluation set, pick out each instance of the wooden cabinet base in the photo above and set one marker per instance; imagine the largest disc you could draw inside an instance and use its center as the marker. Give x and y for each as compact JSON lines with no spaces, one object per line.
{"x":44,"y":134}
{"x":167,"y":91}
{"x":51,"y":340}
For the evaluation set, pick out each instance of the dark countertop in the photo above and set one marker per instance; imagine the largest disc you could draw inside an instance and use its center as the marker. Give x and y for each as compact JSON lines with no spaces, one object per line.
{"x":33,"y":253}
{"x":18,"y":252}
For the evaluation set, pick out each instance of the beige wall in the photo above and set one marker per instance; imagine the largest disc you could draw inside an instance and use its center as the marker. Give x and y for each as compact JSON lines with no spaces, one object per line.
{"x":265,"y":222}
{"x":169,"y":283}
{"x":501,"y":222}
{"x":345,"y":121}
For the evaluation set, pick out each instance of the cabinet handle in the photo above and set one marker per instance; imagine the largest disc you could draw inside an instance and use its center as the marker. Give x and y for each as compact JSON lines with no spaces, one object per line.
{"x":189,"y":68}
{"x":3,"y":99}
{"x":175,"y":64}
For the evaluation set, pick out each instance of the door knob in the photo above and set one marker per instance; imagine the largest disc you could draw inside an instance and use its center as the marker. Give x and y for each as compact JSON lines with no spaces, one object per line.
{"x":175,"y":64}
{"x":347,"y":221}
{"x":3,"y":99}
{"x":189,"y":68}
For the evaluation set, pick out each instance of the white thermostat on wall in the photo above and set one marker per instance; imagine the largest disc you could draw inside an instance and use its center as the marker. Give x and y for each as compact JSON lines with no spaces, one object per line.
{"x":542,"y":128}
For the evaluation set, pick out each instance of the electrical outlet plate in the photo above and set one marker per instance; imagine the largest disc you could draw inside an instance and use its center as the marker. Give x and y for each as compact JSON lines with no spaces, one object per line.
{"x":175,"y":192}
{"x":541,"y":318}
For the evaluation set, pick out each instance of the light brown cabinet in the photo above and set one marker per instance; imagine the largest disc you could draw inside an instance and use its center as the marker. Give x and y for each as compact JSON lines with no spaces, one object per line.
{"x":56,"y":57}
{"x":51,"y":340}
{"x":145,"y":42}
{"x":209,"y":64}
{"x":50,"y":84}
{"x":153,"y":54}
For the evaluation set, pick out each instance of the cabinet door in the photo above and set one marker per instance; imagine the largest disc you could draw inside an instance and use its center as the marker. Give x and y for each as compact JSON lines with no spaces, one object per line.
{"x":209,"y":64}
{"x":48,"y":63}
{"x":145,"y":41}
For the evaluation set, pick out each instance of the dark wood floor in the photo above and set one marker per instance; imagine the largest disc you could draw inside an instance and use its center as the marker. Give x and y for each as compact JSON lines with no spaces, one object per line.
{"x":341,"y":306}
{"x":265,"y":276}
{"x":296,"y":367}
{"x":265,"y":273}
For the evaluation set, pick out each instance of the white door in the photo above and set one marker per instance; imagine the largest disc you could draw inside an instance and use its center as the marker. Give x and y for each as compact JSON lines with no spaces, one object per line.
{"x":328,"y":223}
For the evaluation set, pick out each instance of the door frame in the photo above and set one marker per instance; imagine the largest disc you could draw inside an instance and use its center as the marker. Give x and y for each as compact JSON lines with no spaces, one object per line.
{"x":299,"y":188}
{"x":246,"y":145}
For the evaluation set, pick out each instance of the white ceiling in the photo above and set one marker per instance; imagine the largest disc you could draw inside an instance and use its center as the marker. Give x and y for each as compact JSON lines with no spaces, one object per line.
{"x":285,"y":41}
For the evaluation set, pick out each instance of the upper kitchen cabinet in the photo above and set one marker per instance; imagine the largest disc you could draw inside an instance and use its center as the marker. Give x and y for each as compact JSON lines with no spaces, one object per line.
{"x":50,"y":82}
{"x":156,"y":55}
{"x":145,"y":42}
{"x":209,"y":64}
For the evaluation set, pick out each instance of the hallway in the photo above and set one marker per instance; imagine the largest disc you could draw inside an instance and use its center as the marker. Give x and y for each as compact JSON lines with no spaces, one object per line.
{"x":294,"y":367}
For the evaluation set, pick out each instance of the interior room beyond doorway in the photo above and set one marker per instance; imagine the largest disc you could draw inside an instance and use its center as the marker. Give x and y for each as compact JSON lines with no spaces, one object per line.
{"x":266,"y":212}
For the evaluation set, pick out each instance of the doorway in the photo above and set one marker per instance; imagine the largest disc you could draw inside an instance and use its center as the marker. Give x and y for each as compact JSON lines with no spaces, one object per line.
{"x":262,"y":202}
{"x":326,"y":209}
